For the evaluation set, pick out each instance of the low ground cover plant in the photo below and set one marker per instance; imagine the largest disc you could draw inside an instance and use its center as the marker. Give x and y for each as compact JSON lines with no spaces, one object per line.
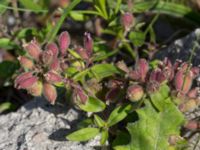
{"x":131,"y":101}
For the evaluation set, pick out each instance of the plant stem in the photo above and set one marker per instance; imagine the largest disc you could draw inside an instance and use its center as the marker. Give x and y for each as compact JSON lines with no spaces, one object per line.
{"x":67,"y":10}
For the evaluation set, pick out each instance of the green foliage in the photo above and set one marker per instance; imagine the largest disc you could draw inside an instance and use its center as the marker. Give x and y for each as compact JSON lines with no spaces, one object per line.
{"x":83,"y":134}
{"x":153,"y":129}
{"x":93,"y":105}
{"x":118,"y":114}
{"x":98,"y":71}
{"x":7,"y":68}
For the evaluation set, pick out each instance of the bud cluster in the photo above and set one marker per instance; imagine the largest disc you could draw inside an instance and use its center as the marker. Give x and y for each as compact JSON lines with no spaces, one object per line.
{"x":180,"y":78}
{"x":44,"y":69}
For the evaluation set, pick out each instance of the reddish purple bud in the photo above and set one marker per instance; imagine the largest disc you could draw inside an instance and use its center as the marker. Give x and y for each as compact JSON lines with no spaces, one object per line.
{"x":183,"y":82}
{"x":121,"y":65}
{"x":83,"y":53}
{"x":192,"y":125}
{"x":64,"y":41}
{"x":47,"y":57}
{"x":143,"y":68}
{"x":168,"y":69}
{"x":195,"y":71}
{"x":33,"y":49}
{"x":22,"y":77}
{"x":177,"y":64}
{"x":157,"y":75}
{"x":55,"y":65}
{"x":174,"y":139}
{"x":189,"y":105}
{"x":135,"y":93}
{"x":36,"y":89}
{"x":127,"y":20}
{"x":88,"y":43}
{"x":113,"y":95}
{"x":193,"y":93}
{"x":52,"y":77}
{"x":49,"y":92}
{"x":27,"y":83}
{"x":134,"y":75}
{"x":52,"y":47}
{"x":25,"y":62}
{"x":152,"y":86}
{"x":79,"y":96}
{"x":114,"y":83}
{"x":64,"y":66}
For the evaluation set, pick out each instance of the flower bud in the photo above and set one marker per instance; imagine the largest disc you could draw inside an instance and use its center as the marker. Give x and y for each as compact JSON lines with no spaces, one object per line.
{"x":174,"y":139}
{"x":189,"y":105}
{"x":168,"y":69}
{"x":52,"y":77}
{"x":195,"y":71}
{"x":152,"y":86}
{"x":114,"y":83}
{"x":88,"y":43}
{"x":79,"y":96}
{"x":47,"y":57}
{"x":53,"y":48}
{"x":25,"y":62}
{"x":64,"y":41}
{"x":55,"y":65}
{"x":157,"y":75}
{"x":27,"y":83}
{"x":143,"y":68}
{"x":64,"y":65}
{"x":192,"y":125}
{"x":83,"y":53}
{"x":121,"y":65}
{"x":193,"y":93}
{"x":113,"y":95}
{"x":22,"y":77}
{"x":134,"y":75}
{"x":135,"y":93}
{"x":36,"y":89}
{"x":127,"y":20}
{"x":49,"y":92}
{"x":183,"y":82}
{"x":33,"y":49}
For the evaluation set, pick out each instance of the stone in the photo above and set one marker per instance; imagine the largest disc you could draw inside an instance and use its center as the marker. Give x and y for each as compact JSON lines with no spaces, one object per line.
{"x":183,"y":48}
{"x":40,"y":126}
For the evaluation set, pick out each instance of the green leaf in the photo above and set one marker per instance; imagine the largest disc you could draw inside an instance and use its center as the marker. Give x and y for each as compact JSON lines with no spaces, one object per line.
{"x":104,"y":70}
{"x":99,"y":122}
{"x":3,"y":5}
{"x":84,"y":134}
{"x":137,"y":38}
{"x":30,"y":5}
{"x":118,"y":114}
{"x":104,"y":137}
{"x":122,"y":138}
{"x":158,"y":98}
{"x":93,"y":105}
{"x":76,"y":16}
{"x":6,"y":106}
{"x":7,"y":68}
{"x":99,"y":71}
{"x":152,"y":130}
{"x":6,"y":43}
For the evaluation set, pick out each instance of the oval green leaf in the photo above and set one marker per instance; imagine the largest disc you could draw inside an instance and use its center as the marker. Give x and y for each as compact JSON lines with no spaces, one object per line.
{"x":93,"y":105}
{"x":84,"y":134}
{"x":118,"y":114}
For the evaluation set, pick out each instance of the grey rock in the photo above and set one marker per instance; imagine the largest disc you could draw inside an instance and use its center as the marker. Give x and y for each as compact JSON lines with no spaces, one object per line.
{"x":39,"y":126}
{"x":183,"y":48}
